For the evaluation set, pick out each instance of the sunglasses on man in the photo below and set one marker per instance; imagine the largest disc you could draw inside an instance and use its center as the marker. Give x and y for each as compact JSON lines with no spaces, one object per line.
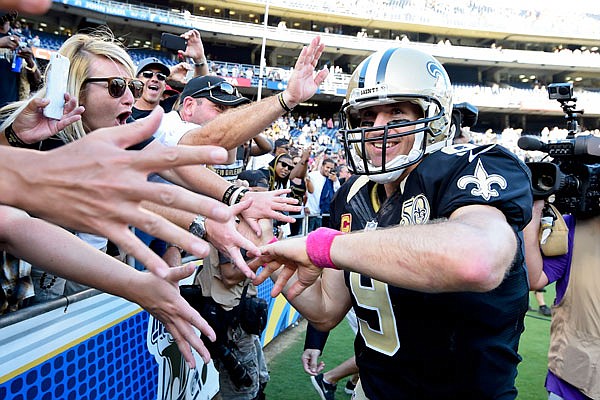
{"x":159,"y":75}
{"x":223,"y":86}
{"x":289,"y":167}
{"x":117,"y":86}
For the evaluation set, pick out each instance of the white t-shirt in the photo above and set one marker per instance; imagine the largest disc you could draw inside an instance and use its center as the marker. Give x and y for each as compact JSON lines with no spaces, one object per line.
{"x":313,"y":199}
{"x":172,"y":128}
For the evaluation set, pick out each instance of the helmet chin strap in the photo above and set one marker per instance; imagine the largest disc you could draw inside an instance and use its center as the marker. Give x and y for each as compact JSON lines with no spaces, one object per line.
{"x":389,"y":177}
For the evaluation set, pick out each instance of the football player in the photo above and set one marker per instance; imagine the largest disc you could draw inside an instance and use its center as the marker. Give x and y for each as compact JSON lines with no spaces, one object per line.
{"x":435,"y":268}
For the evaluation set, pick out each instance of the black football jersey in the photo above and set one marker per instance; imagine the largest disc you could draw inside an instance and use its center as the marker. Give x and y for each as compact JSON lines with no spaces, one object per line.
{"x":416,"y":345}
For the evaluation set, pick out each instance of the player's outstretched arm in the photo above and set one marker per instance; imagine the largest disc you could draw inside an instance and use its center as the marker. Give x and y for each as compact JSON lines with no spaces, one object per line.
{"x":95,"y":185}
{"x":416,"y":257}
{"x":62,"y":253}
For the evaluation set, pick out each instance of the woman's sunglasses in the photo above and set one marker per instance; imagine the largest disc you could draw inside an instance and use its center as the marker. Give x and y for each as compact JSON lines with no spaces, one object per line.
{"x":159,"y":75}
{"x":118,"y":85}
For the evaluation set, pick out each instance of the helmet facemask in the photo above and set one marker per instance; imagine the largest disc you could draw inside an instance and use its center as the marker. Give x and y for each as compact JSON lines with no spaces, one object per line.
{"x":355,"y":138}
{"x":392,"y":76}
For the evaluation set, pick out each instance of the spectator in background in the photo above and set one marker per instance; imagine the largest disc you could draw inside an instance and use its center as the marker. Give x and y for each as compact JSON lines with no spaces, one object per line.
{"x":281,"y":146}
{"x":300,"y":186}
{"x":325,"y":183}
{"x":278,"y":173}
{"x":169,"y":91}
{"x":153,"y":73}
{"x":9,"y":76}
{"x":344,"y":174}
{"x":156,"y":75}
{"x":35,"y":41}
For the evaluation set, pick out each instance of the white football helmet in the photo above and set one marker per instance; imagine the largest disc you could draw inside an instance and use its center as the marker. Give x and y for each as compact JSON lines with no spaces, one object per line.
{"x":397,"y":75}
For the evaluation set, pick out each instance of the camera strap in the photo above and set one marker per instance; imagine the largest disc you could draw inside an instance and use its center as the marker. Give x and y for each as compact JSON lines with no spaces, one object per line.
{"x":554,"y":233}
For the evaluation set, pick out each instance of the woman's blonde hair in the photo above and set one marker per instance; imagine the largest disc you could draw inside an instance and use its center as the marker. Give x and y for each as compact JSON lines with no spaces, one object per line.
{"x":81,"y":50}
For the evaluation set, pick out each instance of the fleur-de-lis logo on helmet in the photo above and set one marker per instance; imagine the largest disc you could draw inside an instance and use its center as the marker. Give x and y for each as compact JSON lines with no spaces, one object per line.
{"x":483,"y":182}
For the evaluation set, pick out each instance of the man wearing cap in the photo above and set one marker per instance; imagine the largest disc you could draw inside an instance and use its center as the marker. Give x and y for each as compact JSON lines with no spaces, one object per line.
{"x":154,"y":74}
{"x":281,"y":146}
{"x":203,"y":99}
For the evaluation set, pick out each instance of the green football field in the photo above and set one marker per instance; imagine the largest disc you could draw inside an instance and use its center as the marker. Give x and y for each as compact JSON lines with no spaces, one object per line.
{"x":289,"y":381}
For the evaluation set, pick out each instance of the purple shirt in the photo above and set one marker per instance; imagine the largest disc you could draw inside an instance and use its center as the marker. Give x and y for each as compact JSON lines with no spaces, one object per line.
{"x":558,"y":269}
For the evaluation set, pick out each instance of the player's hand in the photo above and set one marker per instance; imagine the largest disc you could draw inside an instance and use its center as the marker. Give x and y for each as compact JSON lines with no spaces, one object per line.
{"x":310,"y":362}
{"x":290,"y":259}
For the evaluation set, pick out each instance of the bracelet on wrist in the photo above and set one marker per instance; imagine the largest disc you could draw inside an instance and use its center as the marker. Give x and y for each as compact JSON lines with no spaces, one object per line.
{"x":282,"y":103}
{"x":15,"y":141}
{"x":228,"y":193}
{"x":238,"y":195}
{"x":318,"y":247}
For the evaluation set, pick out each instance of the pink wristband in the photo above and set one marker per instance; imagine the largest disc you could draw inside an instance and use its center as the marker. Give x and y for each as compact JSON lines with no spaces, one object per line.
{"x":273,"y":240}
{"x":318,"y":247}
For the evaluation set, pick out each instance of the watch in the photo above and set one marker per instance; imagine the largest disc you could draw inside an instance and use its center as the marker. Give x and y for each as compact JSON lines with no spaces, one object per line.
{"x":198,"y":227}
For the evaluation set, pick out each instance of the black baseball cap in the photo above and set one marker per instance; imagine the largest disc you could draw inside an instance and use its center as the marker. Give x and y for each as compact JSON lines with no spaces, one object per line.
{"x":281,"y":143}
{"x":254,"y":178}
{"x":214,"y":88}
{"x":152,"y":62}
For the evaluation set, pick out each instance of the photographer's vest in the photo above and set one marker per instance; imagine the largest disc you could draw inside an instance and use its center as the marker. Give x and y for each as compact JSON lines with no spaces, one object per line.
{"x":574,"y":354}
{"x":209,"y":277}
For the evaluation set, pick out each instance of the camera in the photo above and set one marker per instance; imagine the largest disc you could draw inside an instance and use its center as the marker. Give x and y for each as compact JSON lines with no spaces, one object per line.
{"x":464,"y":114}
{"x":560,"y":91}
{"x":220,"y":320}
{"x":573,"y":173}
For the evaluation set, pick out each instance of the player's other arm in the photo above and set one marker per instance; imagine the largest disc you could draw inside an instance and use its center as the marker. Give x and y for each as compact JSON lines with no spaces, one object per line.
{"x":325,"y":303}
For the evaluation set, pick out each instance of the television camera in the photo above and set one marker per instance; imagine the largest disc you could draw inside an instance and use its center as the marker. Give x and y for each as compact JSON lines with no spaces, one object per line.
{"x":573,"y":173}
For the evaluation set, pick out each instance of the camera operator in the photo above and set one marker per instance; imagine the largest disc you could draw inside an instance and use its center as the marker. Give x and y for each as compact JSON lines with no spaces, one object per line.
{"x":561,"y":245}
{"x":575,"y":329}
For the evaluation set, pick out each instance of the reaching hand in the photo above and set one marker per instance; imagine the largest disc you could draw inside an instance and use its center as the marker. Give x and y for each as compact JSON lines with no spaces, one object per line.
{"x":9,"y":42}
{"x":288,"y":257}
{"x":26,"y":6}
{"x":32,"y":126}
{"x":94,"y":185}
{"x":195,"y":48}
{"x":179,"y":72}
{"x":267,"y":205}
{"x":226,"y":238}
{"x":161,"y":298}
{"x":303,"y":82}
{"x":310,"y":362}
